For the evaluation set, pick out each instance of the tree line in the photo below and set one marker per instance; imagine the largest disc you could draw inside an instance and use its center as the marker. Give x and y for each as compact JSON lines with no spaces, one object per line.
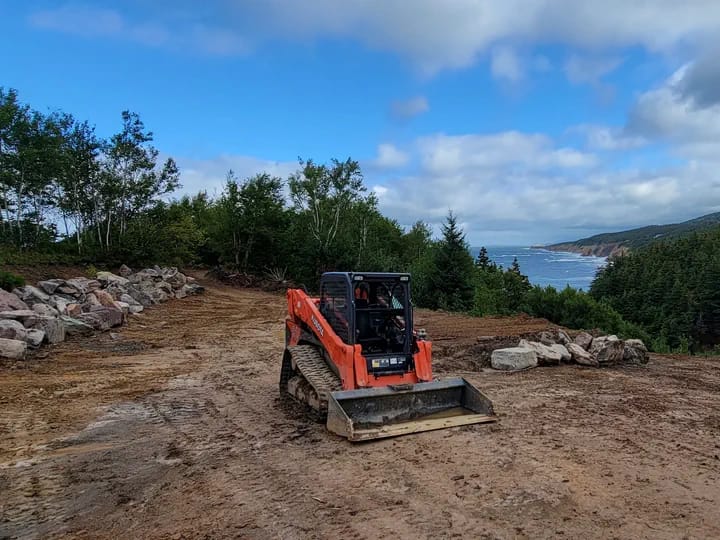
{"x":671,"y":288}
{"x":67,"y":195}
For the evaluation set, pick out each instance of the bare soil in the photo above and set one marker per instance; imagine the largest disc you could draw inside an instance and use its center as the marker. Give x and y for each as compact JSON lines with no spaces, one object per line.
{"x":172,"y":428}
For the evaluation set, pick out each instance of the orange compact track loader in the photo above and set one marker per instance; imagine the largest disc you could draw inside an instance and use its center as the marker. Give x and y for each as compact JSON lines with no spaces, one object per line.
{"x":352,"y":354}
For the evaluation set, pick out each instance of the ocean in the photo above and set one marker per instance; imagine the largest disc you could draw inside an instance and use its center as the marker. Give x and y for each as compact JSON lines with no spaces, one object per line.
{"x":545,"y":268}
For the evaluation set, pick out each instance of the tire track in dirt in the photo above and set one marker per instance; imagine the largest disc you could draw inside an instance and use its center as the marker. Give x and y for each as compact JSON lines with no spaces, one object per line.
{"x":188,"y":438}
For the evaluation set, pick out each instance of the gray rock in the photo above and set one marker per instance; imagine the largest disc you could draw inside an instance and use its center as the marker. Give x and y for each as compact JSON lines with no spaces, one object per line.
{"x":194,"y":288}
{"x":116,"y":290}
{"x":129,"y":300}
{"x":50,"y":285}
{"x":75,"y":327}
{"x":125,"y":271}
{"x":31,"y":295}
{"x":135,"y":308}
{"x":12,"y":348}
{"x":140,"y":295}
{"x":45,"y":309}
{"x":60,"y":303}
{"x":10,"y":302}
{"x":610,"y":351}
{"x":109,"y":277}
{"x":181,"y":293}
{"x":11,"y":329}
{"x":513,"y":359}
{"x":635,"y":352}
{"x":19,"y":314}
{"x":546,"y":356}
{"x":581,"y":356}
{"x":72,"y":288}
{"x":563,"y":338}
{"x":546,"y":338}
{"x":562,"y":351}
{"x":599,"y":343}
{"x":53,"y":327}
{"x":35,"y":337}
{"x":177,"y":280}
{"x":84,"y":285}
{"x":123,"y":306}
{"x":584,"y":340}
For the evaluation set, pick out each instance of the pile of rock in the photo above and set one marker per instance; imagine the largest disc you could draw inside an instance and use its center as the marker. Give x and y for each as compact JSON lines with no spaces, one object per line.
{"x":31,"y":316}
{"x":555,"y":348}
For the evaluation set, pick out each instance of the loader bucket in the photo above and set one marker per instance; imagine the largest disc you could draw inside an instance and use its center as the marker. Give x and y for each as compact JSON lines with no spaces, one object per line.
{"x":375,"y":413}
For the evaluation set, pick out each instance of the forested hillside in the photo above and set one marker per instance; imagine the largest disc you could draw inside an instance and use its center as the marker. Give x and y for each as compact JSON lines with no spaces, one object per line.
{"x":610,"y":244}
{"x":68,"y":195}
{"x":670,"y":288}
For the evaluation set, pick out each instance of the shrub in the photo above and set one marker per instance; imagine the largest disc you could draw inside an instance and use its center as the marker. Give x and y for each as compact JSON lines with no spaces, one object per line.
{"x":10,"y":281}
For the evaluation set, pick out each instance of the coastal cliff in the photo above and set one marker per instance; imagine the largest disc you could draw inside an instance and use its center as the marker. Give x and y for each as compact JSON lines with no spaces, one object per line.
{"x":619,"y":243}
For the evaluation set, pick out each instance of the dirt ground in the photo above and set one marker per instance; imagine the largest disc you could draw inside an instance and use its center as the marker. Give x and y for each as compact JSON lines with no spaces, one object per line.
{"x":172,"y":428}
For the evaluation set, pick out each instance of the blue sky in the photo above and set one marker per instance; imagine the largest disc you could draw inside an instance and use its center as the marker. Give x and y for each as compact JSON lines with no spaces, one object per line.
{"x":534,"y":121}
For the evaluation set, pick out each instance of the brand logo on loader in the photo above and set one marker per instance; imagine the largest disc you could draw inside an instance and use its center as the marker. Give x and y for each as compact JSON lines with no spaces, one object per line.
{"x":317,"y":326}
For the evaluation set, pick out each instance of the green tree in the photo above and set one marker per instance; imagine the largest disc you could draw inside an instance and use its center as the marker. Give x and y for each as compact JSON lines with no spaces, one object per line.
{"x":452,"y":274}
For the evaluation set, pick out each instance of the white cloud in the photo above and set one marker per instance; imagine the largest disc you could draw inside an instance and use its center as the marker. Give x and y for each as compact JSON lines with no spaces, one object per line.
{"x":589,"y":70}
{"x":608,"y":138}
{"x":445,"y":154}
{"x":518,"y":187}
{"x":433,"y":34}
{"x":409,"y":108}
{"x":437,"y":35}
{"x":505,"y":64}
{"x":95,"y":22}
{"x":390,"y":157}
{"x":210,"y":174}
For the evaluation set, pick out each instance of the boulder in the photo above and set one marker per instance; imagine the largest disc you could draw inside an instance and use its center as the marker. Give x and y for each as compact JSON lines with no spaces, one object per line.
{"x":102,"y":317}
{"x":11,"y":329}
{"x":177,"y":280}
{"x":181,"y":293}
{"x":19,"y":314}
{"x":581,"y":356}
{"x":35,"y":337}
{"x":125,"y":271}
{"x":584,"y":340}
{"x":135,"y":308}
{"x":108,"y":277}
{"x":116,"y":290}
{"x":563,"y":338}
{"x":53,"y":327}
{"x":190,"y":280}
{"x":45,"y":309}
{"x":72,"y":288}
{"x":635,"y":352}
{"x":599,"y":343}
{"x":122,"y":306}
{"x":12,"y":348}
{"x":565,"y":355}
{"x":546,"y":356}
{"x":105,"y":298}
{"x":10,"y":302}
{"x":60,"y":303}
{"x":90,"y":300}
{"x":84,"y":285}
{"x":546,"y":338}
{"x":165,"y":286}
{"x":73,"y":310}
{"x":50,"y":285}
{"x":31,"y":295}
{"x":513,"y":359}
{"x":75,"y":327}
{"x":140,"y":296}
{"x":194,"y":288}
{"x":609,"y":352}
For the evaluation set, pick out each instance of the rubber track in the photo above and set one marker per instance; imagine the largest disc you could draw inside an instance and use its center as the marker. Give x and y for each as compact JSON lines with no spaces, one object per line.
{"x":315,"y":370}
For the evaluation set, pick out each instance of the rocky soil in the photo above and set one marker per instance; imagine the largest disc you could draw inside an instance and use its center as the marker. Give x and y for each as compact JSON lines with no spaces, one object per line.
{"x":33,"y":315}
{"x":173,"y":429}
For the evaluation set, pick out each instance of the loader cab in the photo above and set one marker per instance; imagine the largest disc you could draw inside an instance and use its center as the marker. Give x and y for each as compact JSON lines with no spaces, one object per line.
{"x":373,"y":310}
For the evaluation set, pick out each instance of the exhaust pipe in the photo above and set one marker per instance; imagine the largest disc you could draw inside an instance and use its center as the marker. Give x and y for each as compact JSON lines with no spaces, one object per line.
{"x":390,"y":411}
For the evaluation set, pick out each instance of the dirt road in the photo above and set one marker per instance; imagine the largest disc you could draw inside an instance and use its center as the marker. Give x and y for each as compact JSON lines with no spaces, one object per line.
{"x":174,"y":430}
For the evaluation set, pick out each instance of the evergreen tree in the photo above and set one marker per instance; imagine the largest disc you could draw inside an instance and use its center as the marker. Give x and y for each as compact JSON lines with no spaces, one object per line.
{"x":452,"y":276}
